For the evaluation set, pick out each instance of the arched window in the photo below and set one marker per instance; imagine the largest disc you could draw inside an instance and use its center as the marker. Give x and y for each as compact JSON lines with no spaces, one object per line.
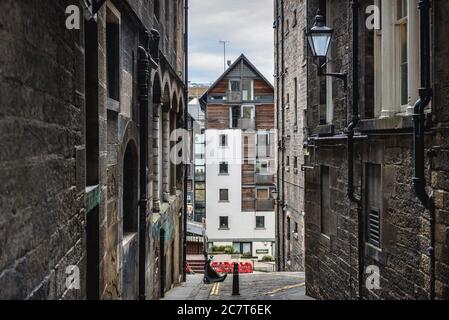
{"x":130,"y":190}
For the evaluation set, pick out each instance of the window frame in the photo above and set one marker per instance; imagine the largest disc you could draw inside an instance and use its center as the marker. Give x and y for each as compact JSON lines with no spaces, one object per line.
{"x":262,"y":227}
{"x":223,"y":226}
{"x":226,"y":172}
{"x":220,"y":141}
{"x":220,"y":195}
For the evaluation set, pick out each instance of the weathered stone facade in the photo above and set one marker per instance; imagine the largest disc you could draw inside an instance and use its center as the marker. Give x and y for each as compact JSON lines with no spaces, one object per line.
{"x":291,"y":102}
{"x":70,"y":129}
{"x":383,"y":173}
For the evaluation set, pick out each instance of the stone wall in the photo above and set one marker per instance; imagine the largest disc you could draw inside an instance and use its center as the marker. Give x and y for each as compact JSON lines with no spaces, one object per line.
{"x":42,"y":158}
{"x":46,"y":194}
{"x":291,"y":178}
{"x":332,"y":261}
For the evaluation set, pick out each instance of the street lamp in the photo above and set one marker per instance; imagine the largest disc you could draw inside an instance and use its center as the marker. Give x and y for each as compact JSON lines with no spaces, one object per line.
{"x":275,"y":194}
{"x":319,"y":38}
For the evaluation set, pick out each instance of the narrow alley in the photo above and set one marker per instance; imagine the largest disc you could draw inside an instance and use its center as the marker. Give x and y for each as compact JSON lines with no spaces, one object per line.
{"x":254,"y":286}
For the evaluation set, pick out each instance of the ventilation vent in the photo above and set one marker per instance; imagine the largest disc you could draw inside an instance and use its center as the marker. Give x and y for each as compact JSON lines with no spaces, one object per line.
{"x":374,"y":227}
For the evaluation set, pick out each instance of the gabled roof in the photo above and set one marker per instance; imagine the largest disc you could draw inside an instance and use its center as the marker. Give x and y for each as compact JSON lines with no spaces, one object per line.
{"x":241,"y":58}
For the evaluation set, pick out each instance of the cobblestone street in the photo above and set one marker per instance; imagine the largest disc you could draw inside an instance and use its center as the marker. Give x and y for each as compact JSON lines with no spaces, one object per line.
{"x":255,"y":286}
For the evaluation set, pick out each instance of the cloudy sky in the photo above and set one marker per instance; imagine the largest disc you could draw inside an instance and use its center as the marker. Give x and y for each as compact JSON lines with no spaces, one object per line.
{"x":246,"y":24}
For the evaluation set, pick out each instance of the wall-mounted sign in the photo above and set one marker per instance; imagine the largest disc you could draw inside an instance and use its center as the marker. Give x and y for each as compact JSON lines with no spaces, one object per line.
{"x":262,"y":251}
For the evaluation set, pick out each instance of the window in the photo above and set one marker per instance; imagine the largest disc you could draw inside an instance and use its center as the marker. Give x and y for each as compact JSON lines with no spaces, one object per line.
{"x":247,"y":90}
{"x":288,"y":229}
{"x":224,"y":195}
{"x":235,"y":90}
{"x":235,"y":117}
{"x":224,"y":222}
{"x":287,"y":164}
{"x":325,"y":201}
{"x":260,"y":222}
{"x":295,"y":18}
{"x":396,"y":52}
{"x":373,"y":204}
{"x":224,"y":168}
{"x":287,"y":101}
{"x":296,"y":228}
{"x":262,"y":167}
{"x":248,"y":117}
{"x":326,"y":83}
{"x":263,"y":144}
{"x":242,"y":247}
{"x":295,"y":165}
{"x":296,"y":101}
{"x":234,"y":85}
{"x":401,"y":23}
{"x":200,"y":192}
{"x":113,"y":52}
{"x":223,"y":140}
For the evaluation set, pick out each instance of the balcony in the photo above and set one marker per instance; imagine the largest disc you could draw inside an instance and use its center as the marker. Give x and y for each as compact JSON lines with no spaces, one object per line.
{"x":264,"y":205}
{"x":263,"y":179}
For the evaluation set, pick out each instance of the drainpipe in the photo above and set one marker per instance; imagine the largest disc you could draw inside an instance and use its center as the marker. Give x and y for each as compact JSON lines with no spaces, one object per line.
{"x":278,"y":238}
{"x":350,"y":133}
{"x":282,"y":203}
{"x":186,"y":162}
{"x":425,"y":96}
{"x":144,"y":72}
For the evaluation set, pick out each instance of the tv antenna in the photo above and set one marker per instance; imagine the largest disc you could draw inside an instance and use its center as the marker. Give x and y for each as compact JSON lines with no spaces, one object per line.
{"x":224,"y":42}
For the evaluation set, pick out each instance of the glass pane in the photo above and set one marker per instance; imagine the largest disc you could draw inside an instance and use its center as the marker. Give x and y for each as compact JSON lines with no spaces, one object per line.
{"x":404,"y":65}
{"x":200,"y":195}
{"x":247,"y":90}
{"x":321,"y":43}
{"x":247,"y":112}
{"x":235,"y":85}
{"x":236,"y":247}
{"x":401,"y":9}
{"x":246,"y":248}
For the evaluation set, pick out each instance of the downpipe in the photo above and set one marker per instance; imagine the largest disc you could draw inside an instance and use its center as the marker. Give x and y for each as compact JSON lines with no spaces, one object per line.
{"x":144,"y":72}
{"x":350,"y":148}
{"x":425,"y":96}
{"x":185,"y":123}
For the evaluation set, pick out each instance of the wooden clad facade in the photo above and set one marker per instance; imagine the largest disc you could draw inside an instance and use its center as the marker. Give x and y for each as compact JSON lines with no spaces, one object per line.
{"x":218,"y":117}
{"x":265,"y":117}
{"x":248,"y":169}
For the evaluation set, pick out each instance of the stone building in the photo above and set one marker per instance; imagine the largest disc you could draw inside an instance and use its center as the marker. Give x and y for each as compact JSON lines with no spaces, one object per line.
{"x":86,"y":114}
{"x":376,"y":219}
{"x":291,"y":105}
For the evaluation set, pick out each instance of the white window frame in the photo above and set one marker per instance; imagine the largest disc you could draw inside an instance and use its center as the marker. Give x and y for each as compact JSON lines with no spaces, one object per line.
{"x":390,"y":56}
{"x":251,"y":93}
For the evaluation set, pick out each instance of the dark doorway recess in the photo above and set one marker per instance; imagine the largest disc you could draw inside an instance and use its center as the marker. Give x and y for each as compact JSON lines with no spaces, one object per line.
{"x":162,"y":262}
{"x":130,"y":189}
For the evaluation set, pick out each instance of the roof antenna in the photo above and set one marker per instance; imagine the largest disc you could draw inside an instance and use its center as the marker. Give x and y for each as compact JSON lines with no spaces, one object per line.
{"x":224,"y":42}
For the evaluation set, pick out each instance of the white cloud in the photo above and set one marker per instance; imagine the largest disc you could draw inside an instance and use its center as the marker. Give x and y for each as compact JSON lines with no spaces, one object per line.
{"x":247,"y":24}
